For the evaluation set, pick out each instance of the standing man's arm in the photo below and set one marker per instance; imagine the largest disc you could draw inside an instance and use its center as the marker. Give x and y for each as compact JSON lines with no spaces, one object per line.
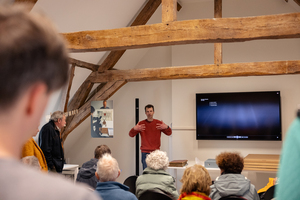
{"x":46,"y":146}
{"x":136,"y":129}
{"x":164,"y":128}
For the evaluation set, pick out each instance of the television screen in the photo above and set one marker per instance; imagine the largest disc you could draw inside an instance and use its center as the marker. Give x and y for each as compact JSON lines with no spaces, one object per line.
{"x":238,"y":116}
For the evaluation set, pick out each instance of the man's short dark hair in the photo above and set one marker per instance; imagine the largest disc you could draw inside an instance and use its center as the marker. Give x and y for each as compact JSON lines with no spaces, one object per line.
{"x":149,"y":106}
{"x":31,"y":51}
{"x":101,"y":150}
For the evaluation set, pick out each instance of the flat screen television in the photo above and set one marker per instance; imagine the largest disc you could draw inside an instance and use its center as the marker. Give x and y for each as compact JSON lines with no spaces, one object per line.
{"x":238,"y":116}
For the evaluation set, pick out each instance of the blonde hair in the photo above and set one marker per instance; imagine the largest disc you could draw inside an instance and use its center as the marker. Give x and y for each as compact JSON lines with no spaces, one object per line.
{"x":196,"y":179}
{"x":107,"y":168}
{"x":157,"y":160}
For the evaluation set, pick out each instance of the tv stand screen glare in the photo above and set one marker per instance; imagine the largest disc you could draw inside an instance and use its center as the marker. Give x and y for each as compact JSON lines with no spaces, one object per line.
{"x":238,"y":116}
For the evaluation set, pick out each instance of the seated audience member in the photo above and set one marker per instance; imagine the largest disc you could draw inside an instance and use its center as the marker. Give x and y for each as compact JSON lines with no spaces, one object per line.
{"x":33,"y":64}
{"x":32,"y":161}
{"x":231,"y":181}
{"x":86,"y":173}
{"x":155,"y":177}
{"x":107,"y":187}
{"x":195,"y":184}
{"x":261,"y":192}
{"x":31,"y":148}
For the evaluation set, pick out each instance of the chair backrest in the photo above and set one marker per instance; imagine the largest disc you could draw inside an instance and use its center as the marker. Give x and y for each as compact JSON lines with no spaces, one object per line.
{"x":232,"y":197}
{"x":269,"y":193}
{"x":130,"y":182}
{"x":152,"y":195}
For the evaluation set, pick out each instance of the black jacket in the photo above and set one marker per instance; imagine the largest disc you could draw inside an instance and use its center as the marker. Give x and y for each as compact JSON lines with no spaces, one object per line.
{"x":86,"y":173}
{"x":50,"y":143}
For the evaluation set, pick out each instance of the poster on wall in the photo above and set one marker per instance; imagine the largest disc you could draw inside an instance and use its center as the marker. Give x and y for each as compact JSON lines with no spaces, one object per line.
{"x":102,"y":119}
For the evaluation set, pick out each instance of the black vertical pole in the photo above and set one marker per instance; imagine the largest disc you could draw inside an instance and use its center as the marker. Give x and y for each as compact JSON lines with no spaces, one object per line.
{"x":137,"y":145}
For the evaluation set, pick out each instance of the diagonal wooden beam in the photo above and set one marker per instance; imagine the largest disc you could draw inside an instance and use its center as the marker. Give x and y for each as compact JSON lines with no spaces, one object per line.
{"x":217,"y":30}
{"x":141,"y":19}
{"x":98,"y":88}
{"x":79,"y":99}
{"x":202,"y":71}
{"x":83,"y":64}
{"x":71,"y":76}
{"x":85,"y":111}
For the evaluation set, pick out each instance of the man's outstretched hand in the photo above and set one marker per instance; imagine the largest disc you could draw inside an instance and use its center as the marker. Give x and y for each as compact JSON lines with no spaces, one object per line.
{"x":162,"y":126}
{"x":139,"y":127}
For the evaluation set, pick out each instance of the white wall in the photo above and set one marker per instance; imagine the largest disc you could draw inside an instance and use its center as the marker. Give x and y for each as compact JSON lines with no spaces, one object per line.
{"x":174,"y":101}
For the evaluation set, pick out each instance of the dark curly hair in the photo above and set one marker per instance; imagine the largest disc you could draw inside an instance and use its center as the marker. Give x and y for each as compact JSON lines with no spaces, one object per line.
{"x":230,"y":162}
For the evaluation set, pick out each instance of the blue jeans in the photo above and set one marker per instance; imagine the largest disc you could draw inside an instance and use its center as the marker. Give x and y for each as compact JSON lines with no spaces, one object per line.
{"x":144,"y":155}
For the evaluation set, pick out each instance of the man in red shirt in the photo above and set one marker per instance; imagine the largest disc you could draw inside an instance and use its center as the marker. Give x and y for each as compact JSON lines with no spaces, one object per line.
{"x":150,"y":130}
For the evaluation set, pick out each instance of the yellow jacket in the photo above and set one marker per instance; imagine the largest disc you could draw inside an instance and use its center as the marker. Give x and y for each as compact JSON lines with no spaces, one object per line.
{"x":193,"y":196}
{"x":31,"y":148}
{"x":270,"y":184}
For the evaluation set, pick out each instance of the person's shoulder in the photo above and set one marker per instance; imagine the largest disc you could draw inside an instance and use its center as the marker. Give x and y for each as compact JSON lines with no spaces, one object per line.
{"x":47,"y":126}
{"x":41,"y":184}
{"x":127,"y":195}
{"x":29,"y":142}
{"x":90,"y":163}
{"x":131,"y":196}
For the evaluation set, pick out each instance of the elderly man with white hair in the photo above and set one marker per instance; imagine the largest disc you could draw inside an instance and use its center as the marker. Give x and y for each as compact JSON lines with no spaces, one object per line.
{"x":107,"y":187}
{"x":50,"y":141}
{"x":155,"y":177}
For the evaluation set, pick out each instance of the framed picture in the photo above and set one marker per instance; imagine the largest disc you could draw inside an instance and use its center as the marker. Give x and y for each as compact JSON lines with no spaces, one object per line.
{"x":102,"y":116}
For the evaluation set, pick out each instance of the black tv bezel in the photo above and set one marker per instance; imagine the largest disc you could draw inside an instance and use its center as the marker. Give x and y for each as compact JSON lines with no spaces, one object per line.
{"x":223,"y":138}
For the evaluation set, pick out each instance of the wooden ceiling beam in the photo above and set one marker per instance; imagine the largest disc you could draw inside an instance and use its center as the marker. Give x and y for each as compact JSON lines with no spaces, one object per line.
{"x":141,"y":19}
{"x":202,"y":71}
{"x":218,"y":54}
{"x":169,"y":11}
{"x":83,"y":64}
{"x":217,"y":30}
{"x":71,"y":76}
{"x":85,"y":111}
